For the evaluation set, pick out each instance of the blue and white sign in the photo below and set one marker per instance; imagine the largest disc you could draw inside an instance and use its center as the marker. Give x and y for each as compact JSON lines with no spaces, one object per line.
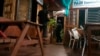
{"x":86,"y":3}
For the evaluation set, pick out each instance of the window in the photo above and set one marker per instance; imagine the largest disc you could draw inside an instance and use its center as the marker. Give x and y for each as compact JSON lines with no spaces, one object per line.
{"x":92,"y":16}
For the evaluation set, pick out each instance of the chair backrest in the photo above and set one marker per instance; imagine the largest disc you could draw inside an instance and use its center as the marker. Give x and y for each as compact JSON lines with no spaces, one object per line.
{"x":70,"y":33}
{"x":75,"y":33}
{"x":81,"y":27}
{"x":96,"y":38}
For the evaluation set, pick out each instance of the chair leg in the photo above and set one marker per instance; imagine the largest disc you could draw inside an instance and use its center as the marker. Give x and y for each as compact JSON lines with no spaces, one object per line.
{"x":69,"y":43}
{"x":83,"y":49}
{"x":73,"y":44}
{"x":80,"y":44}
{"x":99,"y":44}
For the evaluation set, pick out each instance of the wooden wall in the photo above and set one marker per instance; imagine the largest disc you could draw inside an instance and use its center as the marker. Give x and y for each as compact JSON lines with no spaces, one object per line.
{"x":9,"y":9}
{"x":16,"y":9}
{"x":22,"y":10}
{"x":19,"y":10}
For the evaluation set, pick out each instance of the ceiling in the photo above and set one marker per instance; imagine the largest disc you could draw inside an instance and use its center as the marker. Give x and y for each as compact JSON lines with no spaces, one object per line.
{"x":54,"y":5}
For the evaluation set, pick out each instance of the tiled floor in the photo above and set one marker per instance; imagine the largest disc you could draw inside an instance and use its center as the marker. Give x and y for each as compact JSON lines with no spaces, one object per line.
{"x":55,"y":50}
{"x":50,"y":50}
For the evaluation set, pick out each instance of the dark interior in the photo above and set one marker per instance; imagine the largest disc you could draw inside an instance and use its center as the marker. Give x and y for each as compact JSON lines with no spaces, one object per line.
{"x":1,"y":7}
{"x":34,"y":10}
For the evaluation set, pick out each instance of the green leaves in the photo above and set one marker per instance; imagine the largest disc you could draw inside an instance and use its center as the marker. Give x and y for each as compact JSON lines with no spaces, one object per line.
{"x":52,"y":22}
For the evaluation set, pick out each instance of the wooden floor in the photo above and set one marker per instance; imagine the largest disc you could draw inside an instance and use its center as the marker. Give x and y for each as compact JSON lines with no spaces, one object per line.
{"x":50,"y":50}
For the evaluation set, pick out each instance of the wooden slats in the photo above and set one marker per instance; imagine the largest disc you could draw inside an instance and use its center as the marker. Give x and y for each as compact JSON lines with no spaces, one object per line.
{"x":25,"y":42}
{"x":29,"y":42}
{"x":8,"y":40}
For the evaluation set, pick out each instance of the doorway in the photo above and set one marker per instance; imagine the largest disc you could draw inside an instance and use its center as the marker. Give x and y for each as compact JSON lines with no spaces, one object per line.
{"x":61,"y":19}
{"x":81,"y":17}
{"x":59,"y":29}
{"x":1,"y":7}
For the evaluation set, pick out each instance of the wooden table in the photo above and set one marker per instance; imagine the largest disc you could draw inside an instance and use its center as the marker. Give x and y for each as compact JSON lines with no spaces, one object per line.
{"x":26,"y":24}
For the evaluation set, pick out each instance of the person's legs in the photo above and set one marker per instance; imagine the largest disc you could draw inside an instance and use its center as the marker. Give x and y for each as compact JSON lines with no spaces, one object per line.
{"x":58,"y":40}
{"x":44,"y":30}
{"x":45,"y":34}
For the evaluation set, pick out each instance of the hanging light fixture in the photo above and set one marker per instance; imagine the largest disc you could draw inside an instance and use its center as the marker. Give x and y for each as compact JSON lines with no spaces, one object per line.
{"x":40,"y":1}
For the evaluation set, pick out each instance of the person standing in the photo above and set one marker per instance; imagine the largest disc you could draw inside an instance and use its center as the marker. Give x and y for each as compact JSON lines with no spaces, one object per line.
{"x":58,"y":30}
{"x":43,"y":19}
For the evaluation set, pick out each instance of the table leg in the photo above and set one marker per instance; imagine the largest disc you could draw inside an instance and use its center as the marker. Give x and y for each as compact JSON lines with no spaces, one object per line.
{"x":21,"y":38}
{"x":40,"y":40}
